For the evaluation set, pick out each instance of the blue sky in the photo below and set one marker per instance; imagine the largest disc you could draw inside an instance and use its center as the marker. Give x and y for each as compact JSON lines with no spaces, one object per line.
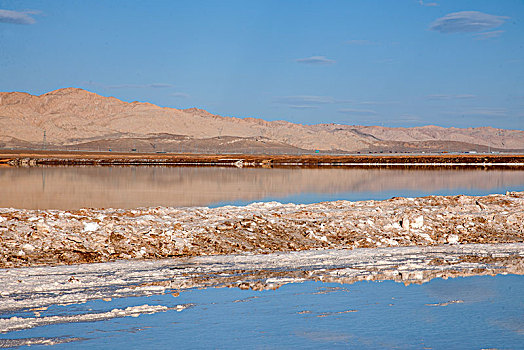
{"x":391,"y":62}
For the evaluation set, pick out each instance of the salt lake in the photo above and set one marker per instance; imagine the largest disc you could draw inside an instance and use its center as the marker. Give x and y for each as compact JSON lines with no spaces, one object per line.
{"x":463,"y":312}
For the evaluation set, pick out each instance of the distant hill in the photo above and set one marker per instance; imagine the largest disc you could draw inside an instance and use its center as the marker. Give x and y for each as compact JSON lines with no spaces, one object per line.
{"x":78,"y":119}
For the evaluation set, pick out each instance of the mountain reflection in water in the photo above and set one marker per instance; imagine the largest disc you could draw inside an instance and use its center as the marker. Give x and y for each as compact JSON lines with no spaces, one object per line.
{"x":129,"y":187}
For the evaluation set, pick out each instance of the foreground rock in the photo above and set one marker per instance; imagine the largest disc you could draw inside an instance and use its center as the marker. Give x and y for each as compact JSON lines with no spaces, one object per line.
{"x":49,"y":237}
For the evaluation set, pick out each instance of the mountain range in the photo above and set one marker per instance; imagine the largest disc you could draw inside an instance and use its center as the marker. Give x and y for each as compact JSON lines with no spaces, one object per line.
{"x":73,"y":118}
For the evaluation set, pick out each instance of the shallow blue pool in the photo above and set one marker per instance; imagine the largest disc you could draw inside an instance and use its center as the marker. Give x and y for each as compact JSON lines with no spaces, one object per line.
{"x":459,"y":313}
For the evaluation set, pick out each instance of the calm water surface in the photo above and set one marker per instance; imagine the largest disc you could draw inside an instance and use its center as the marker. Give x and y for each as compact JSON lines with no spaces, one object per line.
{"x":130,"y":187}
{"x":487,"y":313}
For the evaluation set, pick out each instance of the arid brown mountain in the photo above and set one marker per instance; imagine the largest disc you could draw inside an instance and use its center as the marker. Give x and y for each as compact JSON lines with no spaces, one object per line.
{"x":77,"y":119}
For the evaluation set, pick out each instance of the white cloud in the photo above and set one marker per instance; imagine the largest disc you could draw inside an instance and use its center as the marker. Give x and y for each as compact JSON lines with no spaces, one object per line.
{"x":488,"y":35}
{"x":180,"y":95}
{"x":360,"y":112}
{"x":159,"y":85}
{"x":303,"y":107}
{"x":450,"y":97}
{"x":305,"y":100}
{"x":486,"y":111}
{"x":385,"y":61}
{"x":315,"y":60}
{"x":16,"y":17}
{"x":139,"y":86}
{"x":479,"y":112}
{"x":467,"y":21}
{"x":429,"y":4}
{"x":360,"y":42}
{"x":378,"y":103}
{"x":408,"y":118}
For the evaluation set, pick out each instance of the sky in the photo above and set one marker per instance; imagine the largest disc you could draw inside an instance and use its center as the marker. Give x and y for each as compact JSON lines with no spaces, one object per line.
{"x":398,"y":63}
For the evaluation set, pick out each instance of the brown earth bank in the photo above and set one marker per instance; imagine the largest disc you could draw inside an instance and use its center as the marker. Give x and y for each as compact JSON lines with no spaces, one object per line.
{"x":34,"y":158}
{"x":54,"y":237}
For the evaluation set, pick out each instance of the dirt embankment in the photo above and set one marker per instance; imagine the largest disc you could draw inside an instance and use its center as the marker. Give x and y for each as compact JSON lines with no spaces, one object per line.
{"x":39,"y":237}
{"x":35,"y":158}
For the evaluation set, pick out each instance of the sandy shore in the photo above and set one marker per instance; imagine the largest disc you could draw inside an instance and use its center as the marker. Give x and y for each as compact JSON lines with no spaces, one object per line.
{"x":54,"y":237}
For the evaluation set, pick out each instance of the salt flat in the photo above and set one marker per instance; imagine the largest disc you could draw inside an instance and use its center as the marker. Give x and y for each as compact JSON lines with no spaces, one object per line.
{"x":50,"y":237}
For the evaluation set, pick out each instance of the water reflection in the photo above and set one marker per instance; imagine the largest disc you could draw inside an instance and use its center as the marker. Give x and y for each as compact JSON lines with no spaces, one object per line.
{"x":365,"y":315}
{"x":129,"y":187}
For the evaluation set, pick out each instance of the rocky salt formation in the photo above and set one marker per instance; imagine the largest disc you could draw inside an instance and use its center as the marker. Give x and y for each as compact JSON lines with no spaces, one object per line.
{"x":49,"y":237}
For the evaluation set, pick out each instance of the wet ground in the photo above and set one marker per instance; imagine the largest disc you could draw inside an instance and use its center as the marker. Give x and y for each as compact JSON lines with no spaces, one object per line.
{"x":460,"y":313}
{"x":318,"y":298}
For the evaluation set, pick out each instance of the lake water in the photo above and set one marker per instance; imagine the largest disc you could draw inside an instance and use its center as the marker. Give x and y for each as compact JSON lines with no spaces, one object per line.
{"x":473,"y":312}
{"x":460,"y":313}
{"x":130,"y":187}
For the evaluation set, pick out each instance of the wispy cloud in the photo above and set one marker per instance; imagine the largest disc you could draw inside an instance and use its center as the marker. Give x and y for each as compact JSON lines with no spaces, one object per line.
{"x":479,"y":112}
{"x":305,"y":100}
{"x":385,"y":61}
{"x":401,"y":120}
{"x":159,"y":86}
{"x":429,"y":4}
{"x":303,"y":107}
{"x":486,"y":111}
{"x":315,"y":60}
{"x":139,"y":86}
{"x":128,"y":86}
{"x":450,"y":97}
{"x":467,"y":21}
{"x":180,"y":95}
{"x":488,"y":35}
{"x":359,"y":112}
{"x":404,"y":118}
{"x":17,"y":17}
{"x":360,"y":42}
{"x":378,"y":103}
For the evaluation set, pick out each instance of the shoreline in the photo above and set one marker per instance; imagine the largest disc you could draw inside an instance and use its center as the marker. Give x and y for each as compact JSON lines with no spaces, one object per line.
{"x":36,"y":288}
{"x":76,"y":158}
{"x":58,"y":237}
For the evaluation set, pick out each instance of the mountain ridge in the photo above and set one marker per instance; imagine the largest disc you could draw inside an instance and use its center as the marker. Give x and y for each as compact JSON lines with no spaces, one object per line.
{"x":72,"y":116}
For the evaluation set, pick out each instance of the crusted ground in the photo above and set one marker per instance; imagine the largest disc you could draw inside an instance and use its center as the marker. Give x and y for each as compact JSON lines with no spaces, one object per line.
{"x":34,"y":289}
{"x":51,"y":237}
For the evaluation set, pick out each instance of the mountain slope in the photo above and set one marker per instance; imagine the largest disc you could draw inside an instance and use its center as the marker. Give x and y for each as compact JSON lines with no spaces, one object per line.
{"x":74,"y":116}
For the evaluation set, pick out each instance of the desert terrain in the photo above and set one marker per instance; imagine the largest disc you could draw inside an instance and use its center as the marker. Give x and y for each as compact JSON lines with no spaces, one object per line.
{"x":76,"y":119}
